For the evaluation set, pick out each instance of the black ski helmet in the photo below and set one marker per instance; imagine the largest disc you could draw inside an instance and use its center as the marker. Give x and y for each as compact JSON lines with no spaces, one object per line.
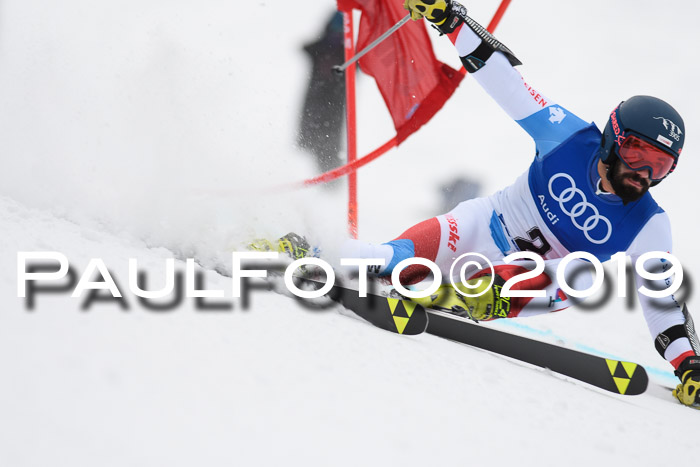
{"x":650,"y":118}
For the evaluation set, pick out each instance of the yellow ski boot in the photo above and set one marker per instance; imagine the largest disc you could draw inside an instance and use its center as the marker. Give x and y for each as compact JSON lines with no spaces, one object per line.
{"x":487,"y":306}
{"x":688,"y":392}
{"x":292,"y":244}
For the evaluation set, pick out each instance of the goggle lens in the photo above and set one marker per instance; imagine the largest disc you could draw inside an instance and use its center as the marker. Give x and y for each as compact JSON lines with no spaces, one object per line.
{"x":639,"y":154}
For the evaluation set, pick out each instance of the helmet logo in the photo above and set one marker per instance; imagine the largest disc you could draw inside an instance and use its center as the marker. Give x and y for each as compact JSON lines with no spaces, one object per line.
{"x":619,"y":134}
{"x":674,"y":130}
{"x":665,"y":141}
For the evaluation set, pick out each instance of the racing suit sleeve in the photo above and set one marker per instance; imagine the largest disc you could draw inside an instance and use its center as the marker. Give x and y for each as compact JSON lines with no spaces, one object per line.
{"x":548,"y":123}
{"x":666,"y":313}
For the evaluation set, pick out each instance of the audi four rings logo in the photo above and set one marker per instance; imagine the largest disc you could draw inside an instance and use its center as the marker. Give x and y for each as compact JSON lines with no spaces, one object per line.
{"x":580,"y":209}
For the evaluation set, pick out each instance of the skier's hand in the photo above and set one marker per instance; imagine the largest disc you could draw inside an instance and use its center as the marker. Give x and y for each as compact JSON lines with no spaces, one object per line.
{"x":435,"y":11}
{"x":688,"y":392}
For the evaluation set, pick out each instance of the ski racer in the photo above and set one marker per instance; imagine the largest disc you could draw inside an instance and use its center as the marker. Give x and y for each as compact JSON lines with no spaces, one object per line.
{"x":584,"y":191}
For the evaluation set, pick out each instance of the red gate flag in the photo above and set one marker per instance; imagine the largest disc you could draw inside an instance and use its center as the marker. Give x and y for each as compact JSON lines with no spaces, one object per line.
{"x":413,"y":83}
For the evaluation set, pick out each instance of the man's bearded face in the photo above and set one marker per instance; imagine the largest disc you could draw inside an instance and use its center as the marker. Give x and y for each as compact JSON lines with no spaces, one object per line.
{"x":630,"y":185}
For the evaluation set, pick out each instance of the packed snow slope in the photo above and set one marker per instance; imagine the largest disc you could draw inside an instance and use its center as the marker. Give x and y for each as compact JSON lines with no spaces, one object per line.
{"x":151,"y":130}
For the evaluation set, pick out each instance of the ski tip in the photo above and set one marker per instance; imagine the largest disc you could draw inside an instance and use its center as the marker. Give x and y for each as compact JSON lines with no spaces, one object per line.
{"x":628,"y":378}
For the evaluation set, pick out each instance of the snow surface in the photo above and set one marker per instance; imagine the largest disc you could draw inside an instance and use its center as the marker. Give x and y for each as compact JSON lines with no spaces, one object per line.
{"x":148,"y":129}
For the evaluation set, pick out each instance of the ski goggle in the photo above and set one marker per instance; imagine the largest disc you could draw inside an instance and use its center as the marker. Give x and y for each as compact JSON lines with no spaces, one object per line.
{"x":639,"y":154}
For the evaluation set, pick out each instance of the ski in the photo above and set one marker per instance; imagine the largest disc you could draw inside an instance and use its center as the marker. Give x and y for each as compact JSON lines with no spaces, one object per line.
{"x":406,"y":317}
{"x":403,"y":316}
{"x":616,"y":376}
{"x":391,"y":314}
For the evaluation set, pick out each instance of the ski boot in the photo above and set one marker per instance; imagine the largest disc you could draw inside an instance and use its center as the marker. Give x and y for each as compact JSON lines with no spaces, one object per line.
{"x":688,"y":392}
{"x":488,"y":306}
{"x":294,"y":245}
